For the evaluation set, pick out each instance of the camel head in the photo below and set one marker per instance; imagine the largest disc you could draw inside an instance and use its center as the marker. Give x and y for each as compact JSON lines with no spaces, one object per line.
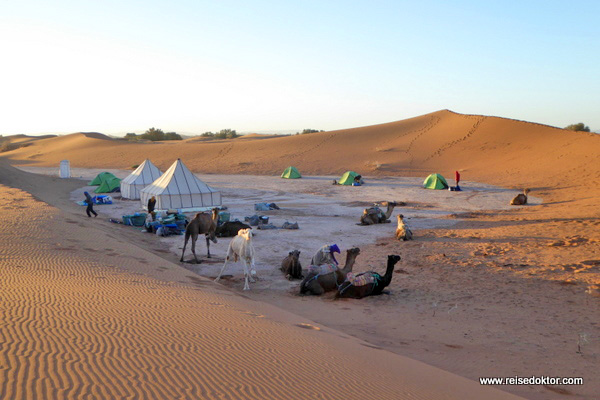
{"x":245,"y":233}
{"x":355,"y":251}
{"x":393,"y":258}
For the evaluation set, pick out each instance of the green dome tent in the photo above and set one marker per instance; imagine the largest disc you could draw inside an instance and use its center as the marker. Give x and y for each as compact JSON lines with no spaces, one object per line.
{"x":109,"y":185}
{"x":347,"y":178}
{"x":435,"y":181}
{"x":291,"y":173}
{"x":101,"y":177}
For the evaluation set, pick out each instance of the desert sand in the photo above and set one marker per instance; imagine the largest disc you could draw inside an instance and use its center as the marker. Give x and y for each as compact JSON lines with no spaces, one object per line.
{"x":484,"y":290}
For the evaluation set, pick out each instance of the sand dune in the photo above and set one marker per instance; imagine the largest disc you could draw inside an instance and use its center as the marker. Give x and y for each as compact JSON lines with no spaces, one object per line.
{"x":524,"y":279}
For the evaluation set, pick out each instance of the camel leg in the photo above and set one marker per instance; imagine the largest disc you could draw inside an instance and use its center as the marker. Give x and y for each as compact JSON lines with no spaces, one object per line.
{"x":207,"y":247}
{"x":246,"y":274}
{"x":187,"y":237}
{"x":194,"y":238}
{"x":229,"y":253}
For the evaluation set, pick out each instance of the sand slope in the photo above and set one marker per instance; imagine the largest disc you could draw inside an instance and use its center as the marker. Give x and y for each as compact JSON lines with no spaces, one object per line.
{"x":83,"y":317}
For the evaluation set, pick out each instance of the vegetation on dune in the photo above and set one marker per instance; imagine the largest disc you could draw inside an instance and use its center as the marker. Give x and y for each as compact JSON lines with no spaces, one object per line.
{"x":580,"y":127}
{"x":305,"y":131}
{"x":222,"y":134}
{"x":153,"y":135}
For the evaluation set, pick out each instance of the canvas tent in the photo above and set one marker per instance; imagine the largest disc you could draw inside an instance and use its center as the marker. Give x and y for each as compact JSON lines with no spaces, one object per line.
{"x":109,"y":185}
{"x":348,"y":178}
{"x":143,"y":176}
{"x":101,"y":177}
{"x":179,"y":188}
{"x":291,"y":173}
{"x":435,"y":181}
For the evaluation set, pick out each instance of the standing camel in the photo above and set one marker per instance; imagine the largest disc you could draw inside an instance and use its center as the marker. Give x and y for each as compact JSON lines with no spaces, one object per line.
{"x":202,"y":223}
{"x":371,"y":283}
{"x":318,"y":283}
{"x":374,"y":215}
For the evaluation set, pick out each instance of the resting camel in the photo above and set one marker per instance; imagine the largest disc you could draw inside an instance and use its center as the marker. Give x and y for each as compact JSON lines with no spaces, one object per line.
{"x":375,"y":215}
{"x":202,"y":223}
{"x":403,"y":232}
{"x":230,"y":228}
{"x":371,"y":283}
{"x":520,"y":199}
{"x":241,"y":247}
{"x":291,"y":267}
{"x":318,"y":283}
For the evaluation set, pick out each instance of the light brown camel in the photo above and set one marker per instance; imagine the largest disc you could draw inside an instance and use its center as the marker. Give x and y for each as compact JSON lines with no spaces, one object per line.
{"x":291,"y":267}
{"x":520,"y":199}
{"x":375,"y":215}
{"x":403,"y":232}
{"x":318,"y":284}
{"x":348,"y":290}
{"x":202,"y":223}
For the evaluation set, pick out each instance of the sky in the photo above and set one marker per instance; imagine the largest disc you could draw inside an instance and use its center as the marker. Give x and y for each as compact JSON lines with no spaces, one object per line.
{"x":192,"y":66}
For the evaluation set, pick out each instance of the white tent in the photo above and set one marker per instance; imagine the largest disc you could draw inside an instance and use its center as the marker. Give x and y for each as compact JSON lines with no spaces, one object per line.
{"x":143,"y":176}
{"x":179,"y":188}
{"x":65,"y":169}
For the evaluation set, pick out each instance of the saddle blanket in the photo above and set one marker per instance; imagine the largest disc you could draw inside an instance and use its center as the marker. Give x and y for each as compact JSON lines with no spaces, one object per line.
{"x":363,"y":279}
{"x":322,"y":269}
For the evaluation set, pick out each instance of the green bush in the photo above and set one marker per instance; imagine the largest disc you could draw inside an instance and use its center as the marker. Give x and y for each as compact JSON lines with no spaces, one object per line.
{"x":580,"y":127}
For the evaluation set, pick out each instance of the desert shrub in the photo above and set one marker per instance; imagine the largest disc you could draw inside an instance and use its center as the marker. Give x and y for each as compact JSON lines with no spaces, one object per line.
{"x":580,"y":127}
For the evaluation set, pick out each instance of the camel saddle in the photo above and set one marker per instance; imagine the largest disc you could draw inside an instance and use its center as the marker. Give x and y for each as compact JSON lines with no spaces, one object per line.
{"x":322,"y":269}
{"x":365,"y":278}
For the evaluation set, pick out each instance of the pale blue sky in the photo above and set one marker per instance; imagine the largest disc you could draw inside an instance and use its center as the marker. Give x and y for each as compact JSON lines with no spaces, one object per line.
{"x":193,"y":66}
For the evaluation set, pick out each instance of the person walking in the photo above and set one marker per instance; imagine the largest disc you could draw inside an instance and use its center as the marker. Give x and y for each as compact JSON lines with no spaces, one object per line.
{"x":90,"y":205}
{"x":151,"y":206}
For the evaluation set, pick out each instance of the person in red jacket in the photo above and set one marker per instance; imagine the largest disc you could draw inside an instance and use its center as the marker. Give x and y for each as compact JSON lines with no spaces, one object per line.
{"x":457,"y":179}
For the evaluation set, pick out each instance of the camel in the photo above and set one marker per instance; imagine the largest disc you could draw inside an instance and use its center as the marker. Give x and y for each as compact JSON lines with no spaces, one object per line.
{"x":318,"y":284}
{"x":403,"y":232}
{"x":291,"y":266}
{"x":375,"y":215}
{"x":202,"y":223}
{"x":520,"y":199}
{"x":230,"y":228}
{"x":242,"y":247}
{"x":375,"y":282}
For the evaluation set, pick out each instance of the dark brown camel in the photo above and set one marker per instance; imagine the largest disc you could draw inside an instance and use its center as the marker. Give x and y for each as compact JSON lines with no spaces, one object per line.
{"x":347,"y":290}
{"x":202,"y":223}
{"x":318,"y":284}
{"x":291,"y":267}
{"x":375,"y":215}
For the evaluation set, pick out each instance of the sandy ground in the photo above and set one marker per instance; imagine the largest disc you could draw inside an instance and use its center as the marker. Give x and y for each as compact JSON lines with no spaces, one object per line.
{"x":467,"y":313}
{"x":86,"y":314}
{"x":326,"y":213}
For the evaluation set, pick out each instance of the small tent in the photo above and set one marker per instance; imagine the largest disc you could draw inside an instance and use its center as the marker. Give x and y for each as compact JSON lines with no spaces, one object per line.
{"x":143,"y":176}
{"x":291,"y":173}
{"x":348,"y":178}
{"x":109,"y":185}
{"x":179,"y":188}
{"x":100,"y":178}
{"x":435,"y":181}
